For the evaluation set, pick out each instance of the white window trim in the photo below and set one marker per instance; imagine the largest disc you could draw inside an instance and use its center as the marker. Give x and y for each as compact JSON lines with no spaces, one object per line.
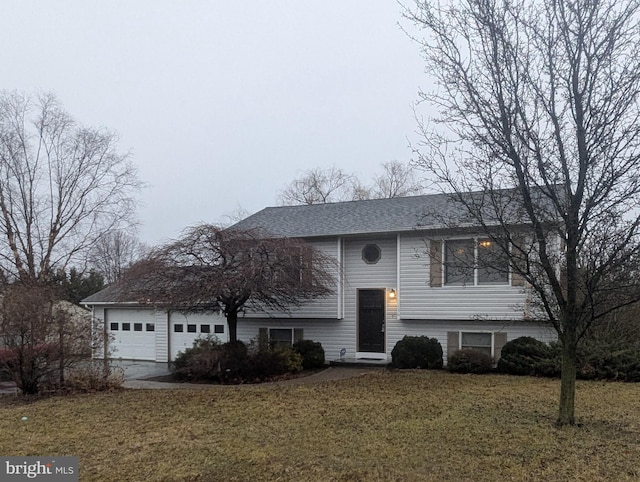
{"x":443,"y":256}
{"x":485,"y":332}
{"x":269,"y":328}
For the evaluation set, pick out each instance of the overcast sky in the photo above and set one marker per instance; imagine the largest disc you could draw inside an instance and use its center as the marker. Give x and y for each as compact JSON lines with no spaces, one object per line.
{"x":222,"y":103}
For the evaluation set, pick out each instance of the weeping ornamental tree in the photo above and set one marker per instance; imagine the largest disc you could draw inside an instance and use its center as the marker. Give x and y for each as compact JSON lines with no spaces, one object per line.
{"x":230,"y":270}
{"x":537,"y":112}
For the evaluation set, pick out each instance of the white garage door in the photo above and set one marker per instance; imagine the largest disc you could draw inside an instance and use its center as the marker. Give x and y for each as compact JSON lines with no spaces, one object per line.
{"x":184,"y":329}
{"x":134,"y":333}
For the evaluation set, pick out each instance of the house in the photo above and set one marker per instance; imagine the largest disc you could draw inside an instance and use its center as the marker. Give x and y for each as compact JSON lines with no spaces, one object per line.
{"x":400,"y":274}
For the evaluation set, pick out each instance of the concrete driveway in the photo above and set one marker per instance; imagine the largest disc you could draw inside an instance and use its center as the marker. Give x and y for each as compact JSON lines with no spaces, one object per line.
{"x":139,"y":370}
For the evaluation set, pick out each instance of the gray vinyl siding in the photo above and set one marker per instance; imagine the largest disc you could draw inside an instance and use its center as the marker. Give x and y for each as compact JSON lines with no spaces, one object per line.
{"x":327,"y":307}
{"x":162,"y":335}
{"x":439,"y":328}
{"x":361,"y":275}
{"x":418,"y":300}
{"x":332,"y":334}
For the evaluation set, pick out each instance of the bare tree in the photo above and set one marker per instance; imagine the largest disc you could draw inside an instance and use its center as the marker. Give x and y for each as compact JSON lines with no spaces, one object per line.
{"x":40,"y":337}
{"x":318,"y":186}
{"x":227,"y":270}
{"x":538,"y":113}
{"x":114,"y":252}
{"x":396,"y":180}
{"x":62,"y":186}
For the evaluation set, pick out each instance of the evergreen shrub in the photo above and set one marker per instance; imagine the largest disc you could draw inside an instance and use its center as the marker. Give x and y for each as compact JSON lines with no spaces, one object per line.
{"x":417,"y":352}
{"x":312,"y":353}
{"x":470,"y":361}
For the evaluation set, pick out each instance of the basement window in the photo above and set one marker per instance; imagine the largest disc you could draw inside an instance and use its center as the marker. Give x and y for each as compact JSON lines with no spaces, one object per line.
{"x":476,"y":341}
{"x":280,"y":336}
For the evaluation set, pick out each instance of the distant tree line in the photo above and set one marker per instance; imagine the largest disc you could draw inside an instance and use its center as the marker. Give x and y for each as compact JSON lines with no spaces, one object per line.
{"x":317,"y":186}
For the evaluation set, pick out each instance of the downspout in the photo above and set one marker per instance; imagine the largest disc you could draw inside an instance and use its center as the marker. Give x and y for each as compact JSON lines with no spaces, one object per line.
{"x":340,"y":290}
{"x":169,"y":337}
{"x":105,"y":343}
{"x":398,"y":257}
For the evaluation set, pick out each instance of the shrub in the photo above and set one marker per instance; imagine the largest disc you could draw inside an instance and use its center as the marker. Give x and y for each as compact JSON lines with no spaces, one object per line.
{"x":609,"y":361}
{"x":202,"y":361}
{"x":92,"y":377}
{"x":595,"y":359}
{"x":209,"y":360}
{"x":32,"y":367}
{"x":417,"y":352}
{"x":470,"y":361}
{"x":312,"y":353}
{"x":272,"y":362}
{"x":528,"y":356}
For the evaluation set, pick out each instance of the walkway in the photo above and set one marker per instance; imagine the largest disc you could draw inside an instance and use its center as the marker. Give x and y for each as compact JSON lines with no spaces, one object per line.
{"x":329,"y":374}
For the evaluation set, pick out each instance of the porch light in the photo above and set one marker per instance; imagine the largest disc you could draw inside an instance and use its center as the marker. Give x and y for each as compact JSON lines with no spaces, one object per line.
{"x":485,"y":244}
{"x":392,"y":294}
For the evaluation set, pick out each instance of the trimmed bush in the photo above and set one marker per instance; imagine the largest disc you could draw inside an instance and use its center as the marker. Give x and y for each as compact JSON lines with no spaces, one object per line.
{"x":201,"y":362}
{"x":470,"y":361}
{"x":609,"y":361}
{"x":595,"y":360}
{"x":312,"y":353}
{"x":271,"y":363}
{"x":417,"y":352}
{"x":209,"y":360}
{"x":528,"y":356}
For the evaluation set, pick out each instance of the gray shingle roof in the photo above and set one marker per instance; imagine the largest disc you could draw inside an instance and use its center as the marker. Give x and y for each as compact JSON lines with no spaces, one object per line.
{"x":354,"y":217}
{"x":115,"y":293}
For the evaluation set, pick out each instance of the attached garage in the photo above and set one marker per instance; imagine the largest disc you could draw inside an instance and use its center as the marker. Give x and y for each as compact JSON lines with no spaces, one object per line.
{"x":157,"y":335}
{"x":185,"y":328}
{"x":133,"y":332}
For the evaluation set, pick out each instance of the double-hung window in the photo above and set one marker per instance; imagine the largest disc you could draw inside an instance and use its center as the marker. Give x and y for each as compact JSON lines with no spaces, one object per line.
{"x":474,"y":261}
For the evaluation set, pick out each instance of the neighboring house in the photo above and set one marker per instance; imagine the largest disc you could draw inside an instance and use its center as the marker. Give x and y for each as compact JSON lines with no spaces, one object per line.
{"x":400,"y":275}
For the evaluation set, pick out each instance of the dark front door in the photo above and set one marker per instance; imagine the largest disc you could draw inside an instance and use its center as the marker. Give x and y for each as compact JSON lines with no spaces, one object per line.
{"x":371,"y":321}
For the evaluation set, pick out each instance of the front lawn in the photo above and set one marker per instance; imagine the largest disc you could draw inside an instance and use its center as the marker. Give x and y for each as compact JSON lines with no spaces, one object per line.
{"x":388,"y":425}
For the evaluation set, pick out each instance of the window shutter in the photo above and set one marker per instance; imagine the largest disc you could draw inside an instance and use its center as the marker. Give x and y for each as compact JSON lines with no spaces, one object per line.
{"x":517,"y":259}
{"x":499,"y":340}
{"x":435,"y":263}
{"x":263,"y":338}
{"x":516,"y":279}
{"x":297,"y":334}
{"x":452,"y":343}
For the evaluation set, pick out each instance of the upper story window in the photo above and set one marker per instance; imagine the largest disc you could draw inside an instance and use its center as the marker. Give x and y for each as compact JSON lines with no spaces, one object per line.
{"x":477,"y":261}
{"x":371,"y":253}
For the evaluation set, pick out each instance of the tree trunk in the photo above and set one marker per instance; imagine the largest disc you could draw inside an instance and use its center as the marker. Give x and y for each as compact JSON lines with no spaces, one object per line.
{"x":232,"y":321}
{"x":105,"y":351}
{"x":61,"y":350}
{"x":566,"y":413}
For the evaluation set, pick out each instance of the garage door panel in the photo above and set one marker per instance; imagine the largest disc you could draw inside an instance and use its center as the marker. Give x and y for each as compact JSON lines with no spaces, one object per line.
{"x":133,"y":332}
{"x":184,"y":329}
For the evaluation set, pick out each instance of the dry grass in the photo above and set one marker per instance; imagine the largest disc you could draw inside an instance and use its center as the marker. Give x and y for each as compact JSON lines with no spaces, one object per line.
{"x":388,"y":426}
